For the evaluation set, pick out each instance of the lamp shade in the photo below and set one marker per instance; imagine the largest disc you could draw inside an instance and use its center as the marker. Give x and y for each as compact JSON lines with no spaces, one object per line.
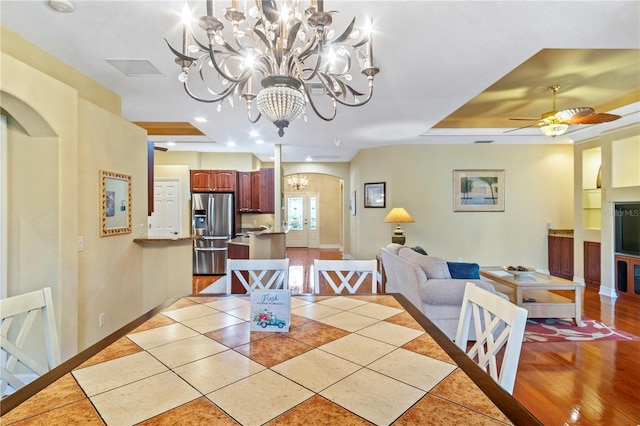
{"x":398,"y":215}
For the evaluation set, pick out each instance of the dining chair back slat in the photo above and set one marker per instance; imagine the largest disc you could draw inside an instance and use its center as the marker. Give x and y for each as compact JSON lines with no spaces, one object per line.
{"x":347,"y":275}
{"x":21,"y":312}
{"x":258,"y":274}
{"x":497,"y":323}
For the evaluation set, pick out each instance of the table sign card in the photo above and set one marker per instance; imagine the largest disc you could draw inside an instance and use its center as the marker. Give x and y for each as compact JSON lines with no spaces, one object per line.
{"x":270,"y":310}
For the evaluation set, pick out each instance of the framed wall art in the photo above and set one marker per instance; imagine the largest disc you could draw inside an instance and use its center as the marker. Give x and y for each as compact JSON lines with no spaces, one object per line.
{"x":115,"y":204}
{"x":374,"y":194}
{"x":478,"y":190}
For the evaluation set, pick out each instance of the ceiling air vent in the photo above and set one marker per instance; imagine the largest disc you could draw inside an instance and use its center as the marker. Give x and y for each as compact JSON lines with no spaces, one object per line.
{"x":135,"y":67}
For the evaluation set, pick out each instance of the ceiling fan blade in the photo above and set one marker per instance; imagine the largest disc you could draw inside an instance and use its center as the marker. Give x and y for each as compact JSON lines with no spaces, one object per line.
{"x":525,"y":119}
{"x":520,"y":128}
{"x":160,"y":148}
{"x":594,"y":118}
{"x":568,"y":114}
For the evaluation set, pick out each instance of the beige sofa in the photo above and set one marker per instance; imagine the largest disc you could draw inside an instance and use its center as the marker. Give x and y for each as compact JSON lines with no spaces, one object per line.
{"x":426,"y":282}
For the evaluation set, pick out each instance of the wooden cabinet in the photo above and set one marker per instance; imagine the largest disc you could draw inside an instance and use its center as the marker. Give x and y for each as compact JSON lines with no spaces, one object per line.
{"x":627,"y":270}
{"x":244,"y":195}
{"x":592,"y":264}
{"x":561,"y":256}
{"x":238,"y":251}
{"x":213,"y":180}
{"x":255,"y":191}
{"x":266,"y":191}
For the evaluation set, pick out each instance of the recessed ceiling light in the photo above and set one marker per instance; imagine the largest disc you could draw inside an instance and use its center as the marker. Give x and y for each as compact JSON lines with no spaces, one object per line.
{"x":231,"y":143}
{"x":259,"y":141}
{"x":201,"y":119}
{"x":64,"y":6}
{"x":308,"y":158}
{"x":254,"y":134}
{"x":171,"y":143}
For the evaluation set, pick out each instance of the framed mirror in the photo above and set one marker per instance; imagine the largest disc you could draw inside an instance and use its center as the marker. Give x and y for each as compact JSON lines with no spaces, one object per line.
{"x":115,"y":204}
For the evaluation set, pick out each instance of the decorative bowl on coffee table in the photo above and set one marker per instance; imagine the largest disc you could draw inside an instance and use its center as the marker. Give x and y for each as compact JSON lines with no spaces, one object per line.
{"x":518,"y":270}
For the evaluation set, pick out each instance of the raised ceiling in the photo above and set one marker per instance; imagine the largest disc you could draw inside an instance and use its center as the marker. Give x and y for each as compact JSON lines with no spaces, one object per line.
{"x":452,"y":72}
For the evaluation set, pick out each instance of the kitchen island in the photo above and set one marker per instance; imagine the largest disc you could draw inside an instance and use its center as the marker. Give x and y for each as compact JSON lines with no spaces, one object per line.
{"x":262,"y":244}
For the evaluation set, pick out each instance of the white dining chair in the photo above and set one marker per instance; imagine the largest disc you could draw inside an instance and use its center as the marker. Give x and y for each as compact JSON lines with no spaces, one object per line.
{"x":22,"y":312}
{"x":497,"y":322}
{"x":261,"y":274}
{"x":346,"y":275}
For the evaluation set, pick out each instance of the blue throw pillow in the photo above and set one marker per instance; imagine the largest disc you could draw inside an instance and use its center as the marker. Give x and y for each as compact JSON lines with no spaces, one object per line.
{"x":464,"y":270}
{"x":419,"y":249}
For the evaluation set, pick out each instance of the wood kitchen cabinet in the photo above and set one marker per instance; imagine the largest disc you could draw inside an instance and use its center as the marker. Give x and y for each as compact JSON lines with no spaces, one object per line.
{"x":592,"y":264}
{"x":266,"y":191}
{"x":255,"y":191}
{"x":213,"y":180}
{"x":561,"y":256}
{"x":244,"y":193}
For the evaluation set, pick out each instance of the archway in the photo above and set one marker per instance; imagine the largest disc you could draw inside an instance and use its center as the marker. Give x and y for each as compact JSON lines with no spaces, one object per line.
{"x":327,"y":192}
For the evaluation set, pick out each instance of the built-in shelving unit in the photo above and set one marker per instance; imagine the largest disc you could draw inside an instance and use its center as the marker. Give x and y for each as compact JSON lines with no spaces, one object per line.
{"x":591,"y":192}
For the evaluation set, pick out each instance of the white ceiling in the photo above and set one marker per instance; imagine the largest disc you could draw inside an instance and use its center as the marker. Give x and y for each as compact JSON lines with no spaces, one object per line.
{"x":472,"y":64}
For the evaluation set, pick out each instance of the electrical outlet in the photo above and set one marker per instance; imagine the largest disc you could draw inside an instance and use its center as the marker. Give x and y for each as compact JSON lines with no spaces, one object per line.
{"x":80,"y":243}
{"x":101,"y":320}
{"x":141,"y":228}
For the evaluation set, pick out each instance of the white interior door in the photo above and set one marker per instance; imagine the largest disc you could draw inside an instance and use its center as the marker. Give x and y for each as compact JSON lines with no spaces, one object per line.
{"x":301,"y":212}
{"x":166,"y":219}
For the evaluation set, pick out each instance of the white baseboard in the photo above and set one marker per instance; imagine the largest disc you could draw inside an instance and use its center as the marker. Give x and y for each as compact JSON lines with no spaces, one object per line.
{"x":608,"y":291}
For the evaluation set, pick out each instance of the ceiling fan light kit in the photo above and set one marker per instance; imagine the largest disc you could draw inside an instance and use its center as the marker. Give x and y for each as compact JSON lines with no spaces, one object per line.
{"x":287,"y":49}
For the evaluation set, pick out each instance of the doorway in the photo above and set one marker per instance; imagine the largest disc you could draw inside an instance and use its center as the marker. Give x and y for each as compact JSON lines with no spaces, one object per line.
{"x":302,"y":210}
{"x":166,"y":219}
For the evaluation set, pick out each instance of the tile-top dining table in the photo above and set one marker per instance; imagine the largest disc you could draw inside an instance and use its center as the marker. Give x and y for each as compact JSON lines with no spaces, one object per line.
{"x":346,"y":359}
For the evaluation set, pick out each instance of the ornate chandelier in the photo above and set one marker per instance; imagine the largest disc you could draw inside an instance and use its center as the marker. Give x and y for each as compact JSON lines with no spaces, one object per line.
{"x":298,"y":182}
{"x":289,"y":52}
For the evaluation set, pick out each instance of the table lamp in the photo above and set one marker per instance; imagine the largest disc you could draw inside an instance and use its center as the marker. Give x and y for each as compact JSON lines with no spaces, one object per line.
{"x":398,"y":215}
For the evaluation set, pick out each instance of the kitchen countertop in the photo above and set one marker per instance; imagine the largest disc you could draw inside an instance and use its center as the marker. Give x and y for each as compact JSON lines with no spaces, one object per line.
{"x":162,"y":239}
{"x":272,"y":230}
{"x":567,"y":233}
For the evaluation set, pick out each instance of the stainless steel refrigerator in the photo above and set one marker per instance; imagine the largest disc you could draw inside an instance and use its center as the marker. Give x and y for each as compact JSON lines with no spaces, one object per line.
{"x":212,"y":221}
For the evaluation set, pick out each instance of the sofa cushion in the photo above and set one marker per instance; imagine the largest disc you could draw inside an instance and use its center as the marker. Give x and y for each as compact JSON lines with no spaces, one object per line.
{"x":433,"y":267}
{"x":448,"y":292}
{"x":394,"y":247}
{"x":464,"y":270}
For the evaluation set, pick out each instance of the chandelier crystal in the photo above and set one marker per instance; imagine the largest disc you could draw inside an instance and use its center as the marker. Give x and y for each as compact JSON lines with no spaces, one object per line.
{"x":297,"y":182}
{"x":287,"y":49}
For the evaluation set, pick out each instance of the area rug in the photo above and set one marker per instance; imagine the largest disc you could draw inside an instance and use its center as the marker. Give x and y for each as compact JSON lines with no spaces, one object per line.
{"x":565,"y":330}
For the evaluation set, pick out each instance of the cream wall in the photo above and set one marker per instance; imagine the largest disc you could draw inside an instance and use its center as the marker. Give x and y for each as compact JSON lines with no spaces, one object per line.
{"x":538,"y":191}
{"x":110,"y":268}
{"x":48,"y":127}
{"x":57,"y":141}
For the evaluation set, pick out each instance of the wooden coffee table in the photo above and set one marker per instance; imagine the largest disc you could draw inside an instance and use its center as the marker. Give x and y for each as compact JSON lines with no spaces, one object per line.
{"x":532,"y":293}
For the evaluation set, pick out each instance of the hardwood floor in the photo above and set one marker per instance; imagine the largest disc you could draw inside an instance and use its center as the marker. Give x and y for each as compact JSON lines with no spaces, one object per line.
{"x":573,"y":383}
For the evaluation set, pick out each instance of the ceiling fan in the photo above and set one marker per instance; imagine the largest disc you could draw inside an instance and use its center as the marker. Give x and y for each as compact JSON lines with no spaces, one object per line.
{"x":555,"y":123}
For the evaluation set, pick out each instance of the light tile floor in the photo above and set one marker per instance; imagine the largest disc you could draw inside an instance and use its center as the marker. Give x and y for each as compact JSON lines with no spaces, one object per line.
{"x":346,"y":360}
